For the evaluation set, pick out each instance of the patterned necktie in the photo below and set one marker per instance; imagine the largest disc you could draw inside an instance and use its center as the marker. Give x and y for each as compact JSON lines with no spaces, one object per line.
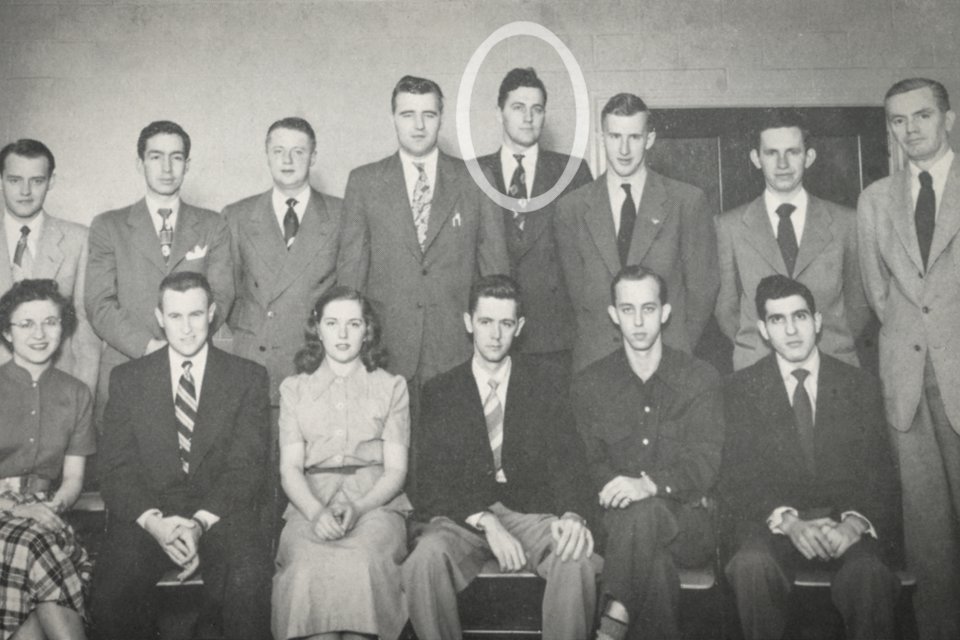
{"x":422,"y":197}
{"x":518,"y":189}
{"x":628,"y":218}
{"x":786,"y":237}
{"x":803,"y":415}
{"x":22,"y":249}
{"x":166,"y":234}
{"x":185,"y":409}
{"x":925,"y":215}
{"x":493,"y":414}
{"x":290,"y":223}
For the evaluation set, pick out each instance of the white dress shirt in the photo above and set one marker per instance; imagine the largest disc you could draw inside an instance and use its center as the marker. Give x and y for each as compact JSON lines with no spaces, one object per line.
{"x":280,"y":204}
{"x":154,"y":205}
{"x":799,"y":216}
{"x":483,"y":377}
{"x":508,"y":164}
{"x":410,"y":172}
{"x":618,"y":195}
{"x":12,"y":225}
{"x":939,"y":173}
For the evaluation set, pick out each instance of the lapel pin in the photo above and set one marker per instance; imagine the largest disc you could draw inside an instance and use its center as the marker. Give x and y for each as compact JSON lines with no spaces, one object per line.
{"x":457,"y":220}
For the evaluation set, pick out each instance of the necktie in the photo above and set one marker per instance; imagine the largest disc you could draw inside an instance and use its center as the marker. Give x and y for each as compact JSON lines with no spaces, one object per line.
{"x":493,"y":414}
{"x":925,"y":215}
{"x":786,"y":237}
{"x":185,"y":409}
{"x":628,"y":218}
{"x":422,"y":197}
{"x":518,"y":189}
{"x":803,"y":415}
{"x":166,"y":234}
{"x":21,"y":247}
{"x":290,"y":223}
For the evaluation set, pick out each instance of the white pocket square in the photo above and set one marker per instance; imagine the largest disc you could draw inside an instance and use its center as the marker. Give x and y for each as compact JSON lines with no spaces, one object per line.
{"x":197,"y":252}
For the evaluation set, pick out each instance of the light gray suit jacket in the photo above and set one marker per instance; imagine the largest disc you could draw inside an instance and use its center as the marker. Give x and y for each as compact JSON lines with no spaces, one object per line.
{"x":827,"y":264}
{"x":62,"y":256}
{"x":277,"y":288}
{"x":918,"y":310}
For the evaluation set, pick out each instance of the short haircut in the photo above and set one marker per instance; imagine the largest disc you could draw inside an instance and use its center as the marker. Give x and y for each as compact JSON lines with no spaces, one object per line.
{"x":498,"y":286}
{"x":372,"y":353}
{"x":517,"y":78}
{"x":184,"y":281}
{"x":781,"y":118}
{"x":419,"y":86}
{"x":159,"y":127}
{"x":27,"y":148}
{"x":296,"y":124}
{"x":30,"y":290}
{"x":626,"y":104}
{"x":910,"y":84}
{"x":635,"y":273}
{"x":777,"y":287}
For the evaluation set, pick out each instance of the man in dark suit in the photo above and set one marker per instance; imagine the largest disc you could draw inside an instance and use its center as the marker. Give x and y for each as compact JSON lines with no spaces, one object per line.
{"x":791,"y":232}
{"x":909,"y":229}
{"x":522,"y":169}
{"x":133,"y":248}
{"x":284,"y":249}
{"x":181,"y":462}
{"x":806,"y":474}
{"x":416,"y":232}
{"x":631,"y":215}
{"x":499,"y":476}
{"x":651,"y":420}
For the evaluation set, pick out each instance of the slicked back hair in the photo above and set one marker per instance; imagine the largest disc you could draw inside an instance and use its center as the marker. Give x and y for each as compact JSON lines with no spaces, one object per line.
{"x":158,"y":127}
{"x":911,"y":84}
{"x":517,"y":78}
{"x":27,"y":148}
{"x":419,"y":86}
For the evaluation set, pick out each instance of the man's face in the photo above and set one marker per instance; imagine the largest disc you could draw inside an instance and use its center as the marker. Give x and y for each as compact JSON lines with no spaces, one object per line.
{"x":417,"y":121}
{"x":918,"y":124}
{"x":626,"y":142}
{"x":639,"y":313}
{"x":522,"y":117}
{"x":494,"y":324}
{"x":25,"y":185}
{"x":290,"y":154}
{"x":185,"y":317}
{"x":782,"y":157}
{"x":790,"y":328}
{"x":164,"y":164}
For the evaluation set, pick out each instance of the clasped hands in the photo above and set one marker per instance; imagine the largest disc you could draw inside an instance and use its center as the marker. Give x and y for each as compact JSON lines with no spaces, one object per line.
{"x":570,"y":535}
{"x":179,"y":538}
{"x":624,"y":490}
{"x":335,"y":520}
{"x":822,"y":538}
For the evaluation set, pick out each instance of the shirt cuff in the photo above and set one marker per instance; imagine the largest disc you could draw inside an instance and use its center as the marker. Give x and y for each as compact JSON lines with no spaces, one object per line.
{"x":142,"y":519}
{"x":775,"y":519}
{"x":474,"y":519}
{"x":870,"y":530}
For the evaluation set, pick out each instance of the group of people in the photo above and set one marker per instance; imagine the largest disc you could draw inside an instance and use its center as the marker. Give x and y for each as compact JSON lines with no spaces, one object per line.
{"x":481,"y":384}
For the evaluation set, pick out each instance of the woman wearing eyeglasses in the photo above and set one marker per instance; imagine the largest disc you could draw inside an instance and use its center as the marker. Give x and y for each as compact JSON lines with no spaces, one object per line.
{"x":45,"y":436}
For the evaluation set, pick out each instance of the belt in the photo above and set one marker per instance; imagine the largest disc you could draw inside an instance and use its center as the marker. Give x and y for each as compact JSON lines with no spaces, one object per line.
{"x":24,"y":485}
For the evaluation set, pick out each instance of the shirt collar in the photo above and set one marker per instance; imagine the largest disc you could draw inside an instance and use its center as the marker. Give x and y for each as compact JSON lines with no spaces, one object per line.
{"x":530,"y":157}
{"x":811,"y":364}
{"x":636,"y":182}
{"x":198,"y":360}
{"x":483,"y":377}
{"x":280,"y":201}
{"x":19,"y":375}
{"x":154,"y":204}
{"x":324,"y":376}
{"x":14,"y":223}
{"x":429,"y":161}
{"x":773,"y":200}
{"x":938,"y":172}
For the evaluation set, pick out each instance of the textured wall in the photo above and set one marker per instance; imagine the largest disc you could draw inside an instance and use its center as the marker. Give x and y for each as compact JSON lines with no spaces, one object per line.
{"x":86,"y":76}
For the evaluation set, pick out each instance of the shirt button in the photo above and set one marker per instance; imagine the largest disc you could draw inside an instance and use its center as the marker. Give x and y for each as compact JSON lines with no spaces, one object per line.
{"x":262,"y":348}
{"x":646,"y":409}
{"x":926,"y":309}
{"x":669,"y":490}
{"x":645,"y":441}
{"x":33,"y":412}
{"x":34,"y":385}
{"x":271,"y":314}
{"x":916,"y":347}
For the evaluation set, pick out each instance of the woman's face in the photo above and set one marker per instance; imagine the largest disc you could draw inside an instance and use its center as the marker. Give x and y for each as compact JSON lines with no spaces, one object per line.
{"x":342,"y":330}
{"x":34,"y":332}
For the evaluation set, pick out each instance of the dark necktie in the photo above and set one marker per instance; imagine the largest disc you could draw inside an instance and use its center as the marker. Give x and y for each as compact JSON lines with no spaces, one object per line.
{"x":786,"y":237}
{"x":185,"y":409}
{"x":291,"y":224}
{"x":21,"y":246}
{"x":628,"y":218}
{"x":518,"y":189}
{"x":166,"y":233}
{"x":803,"y":415}
{"x":925,"y":215}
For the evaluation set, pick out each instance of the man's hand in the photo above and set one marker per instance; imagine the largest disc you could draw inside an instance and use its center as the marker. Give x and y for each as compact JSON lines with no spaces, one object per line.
{"x":169,"y":533}
{"x":506,"y":549}
{"x":346,"y":514}
{"x":844,"y":535}
{"x":624,"y":490}
{"x":154,"y":345}
{"x":571,"y":537}
{"x":327,"y":526}
{"x":807,"y":535}
{"x":41,"y":513}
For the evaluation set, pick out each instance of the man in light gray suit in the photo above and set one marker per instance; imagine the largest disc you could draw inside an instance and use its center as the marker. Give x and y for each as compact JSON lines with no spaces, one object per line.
{"x":132,"y":249}
{"x":416,"y":232}
{"x":909,"y":241}
{"x":284,"y":248}
{"x":34,"y":244}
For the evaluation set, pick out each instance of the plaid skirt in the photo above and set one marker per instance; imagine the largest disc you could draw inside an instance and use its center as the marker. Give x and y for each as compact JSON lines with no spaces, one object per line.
{"x":37,"y":566}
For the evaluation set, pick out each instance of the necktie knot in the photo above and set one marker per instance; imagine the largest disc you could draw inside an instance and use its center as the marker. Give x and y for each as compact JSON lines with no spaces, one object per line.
{"x":24,"y":231}
{"x":419,"y":166}
{"x":292,"y":202}
{"x":187,"y":367}
{"x":626,"y":189}
{"x":785,"y":210}
{"x":800,"y":375}
{"x":926,"y":180}
{"x":519,"y":158}
{"x":493,"y":384}
{"x":165,"y":213}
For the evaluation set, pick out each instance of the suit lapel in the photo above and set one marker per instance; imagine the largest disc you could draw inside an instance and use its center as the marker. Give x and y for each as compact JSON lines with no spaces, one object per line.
{"x":774,"y":404}
{"x":185,"y":236}
{"x":537,"y":223}
{"x":817,"y":234}
{"x":517,"y":409}
{"x":759,"y":234}
{"x":444,"y":198}
{"x":266,"y":237}
{"x":830,"y":396}
{"x":316,"y":230}
{"x":395,"y":194}
{"x":903,"y":218}
{"x":599,"y":222}
{"x":6,"y":260}
{"x":214,"y":399}
{"x":948,"y":215}
{"x":651,"y":216}
{"x":143,"y":235}
{"x":49,"y":254}
{"x":159,"y":434}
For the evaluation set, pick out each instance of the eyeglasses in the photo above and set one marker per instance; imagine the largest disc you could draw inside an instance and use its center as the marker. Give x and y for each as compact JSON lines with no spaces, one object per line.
{"x":51,"y":322}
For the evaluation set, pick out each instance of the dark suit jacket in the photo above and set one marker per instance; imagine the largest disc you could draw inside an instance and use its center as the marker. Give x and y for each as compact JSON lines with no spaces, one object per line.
{"x":674,"y":235}
{"x":763,"y":464}
{"x":827,"y":264}
{"x":421,"y":295}
{"x":534,"y":258}
{"x":139,"y":453}
{"x":277,"y":288}
{"x":542,"y":457}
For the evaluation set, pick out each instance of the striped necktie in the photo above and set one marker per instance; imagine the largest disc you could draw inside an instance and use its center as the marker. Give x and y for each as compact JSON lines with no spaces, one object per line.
{"x":493,"y":414}
{"x":185,"y":408}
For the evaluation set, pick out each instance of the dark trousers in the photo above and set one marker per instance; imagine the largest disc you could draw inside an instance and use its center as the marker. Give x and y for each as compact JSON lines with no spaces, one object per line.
{"x":645,"y":543}
{"x":762,"y":571}
{"x":236,"y":573}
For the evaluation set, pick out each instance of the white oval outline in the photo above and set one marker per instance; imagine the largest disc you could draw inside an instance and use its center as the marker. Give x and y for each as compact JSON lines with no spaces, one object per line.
{"x":581,"y":103}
